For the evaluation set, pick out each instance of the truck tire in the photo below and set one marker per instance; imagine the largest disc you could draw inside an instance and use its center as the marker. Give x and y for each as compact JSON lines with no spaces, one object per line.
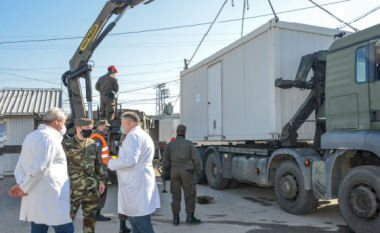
{"x":358,"y":197}
{"x":290,"y":192}
{"x":214,"y":176}
{"x":201,"y":179}
{"x":233,"y":184}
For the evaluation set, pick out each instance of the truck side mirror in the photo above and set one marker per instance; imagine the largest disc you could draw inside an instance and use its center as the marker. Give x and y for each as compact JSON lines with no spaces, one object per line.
{"x":377,"y":45}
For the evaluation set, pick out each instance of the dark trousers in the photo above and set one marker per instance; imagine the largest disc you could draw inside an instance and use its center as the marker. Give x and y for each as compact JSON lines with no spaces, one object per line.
{"x":141,"y":224}
{"x":43,"y":228}
{"x":107,"y":107}
{"x":184,"y":178}
{"x":123,"y":217}
{"x":103,"y":197}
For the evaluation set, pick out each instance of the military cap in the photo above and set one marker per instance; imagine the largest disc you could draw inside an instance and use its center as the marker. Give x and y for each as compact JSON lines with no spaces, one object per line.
{"x":83,"y":122}
{"x":102,"y":122}
{"x":181,"y":127}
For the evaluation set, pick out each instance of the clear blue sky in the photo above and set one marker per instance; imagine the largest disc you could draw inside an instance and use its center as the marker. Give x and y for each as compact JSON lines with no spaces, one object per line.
{"x":143,"y":59}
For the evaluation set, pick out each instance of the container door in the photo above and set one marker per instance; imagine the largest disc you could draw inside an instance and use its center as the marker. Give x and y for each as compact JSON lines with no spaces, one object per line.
{"x":215,"y":100}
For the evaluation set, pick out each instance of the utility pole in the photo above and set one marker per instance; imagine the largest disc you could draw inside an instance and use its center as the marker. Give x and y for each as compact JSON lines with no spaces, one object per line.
{"x":161,"y":94}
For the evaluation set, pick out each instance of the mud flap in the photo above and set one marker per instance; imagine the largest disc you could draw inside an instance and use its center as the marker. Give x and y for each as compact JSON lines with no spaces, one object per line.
{"x":319,"y":180}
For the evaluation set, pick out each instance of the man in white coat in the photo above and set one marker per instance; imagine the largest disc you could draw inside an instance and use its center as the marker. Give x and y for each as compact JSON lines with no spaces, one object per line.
{"x":42,"y":177}
{"x":138,"y":193}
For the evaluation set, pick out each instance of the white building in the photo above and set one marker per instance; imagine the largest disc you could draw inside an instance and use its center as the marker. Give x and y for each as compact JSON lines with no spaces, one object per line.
{"x":21,"y":110}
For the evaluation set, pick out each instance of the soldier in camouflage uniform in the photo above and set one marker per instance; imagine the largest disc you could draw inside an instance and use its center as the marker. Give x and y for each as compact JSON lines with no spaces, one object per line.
{"x":85,"y":172}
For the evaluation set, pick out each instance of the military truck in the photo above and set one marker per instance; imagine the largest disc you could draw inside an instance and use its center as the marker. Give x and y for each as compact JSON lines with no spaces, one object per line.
{"x":342,"y":158}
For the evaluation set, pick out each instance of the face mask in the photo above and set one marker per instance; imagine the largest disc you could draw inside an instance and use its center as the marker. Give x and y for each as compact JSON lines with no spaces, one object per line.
{"x":86,"y":133}
{"x":122,"y":130}
{"x":63,"y":131}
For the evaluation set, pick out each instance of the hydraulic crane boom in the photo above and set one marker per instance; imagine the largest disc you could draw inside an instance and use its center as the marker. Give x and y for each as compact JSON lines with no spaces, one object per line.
{"x":314,"y":102}
{"x":78,"y":63}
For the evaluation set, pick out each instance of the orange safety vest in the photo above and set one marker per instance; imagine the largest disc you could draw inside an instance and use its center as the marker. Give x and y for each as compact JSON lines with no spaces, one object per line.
{"x":105,"y":147}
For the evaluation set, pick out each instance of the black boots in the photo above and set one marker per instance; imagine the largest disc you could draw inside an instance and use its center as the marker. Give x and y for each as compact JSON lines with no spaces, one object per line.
{"x":175,"y":219}
{"x":99,"y":217}
{"x":123,"y":227}
{"x":190,"y":219}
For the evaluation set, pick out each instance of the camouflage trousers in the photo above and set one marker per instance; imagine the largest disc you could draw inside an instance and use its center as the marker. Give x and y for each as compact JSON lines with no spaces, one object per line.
{"x":89,"y":199}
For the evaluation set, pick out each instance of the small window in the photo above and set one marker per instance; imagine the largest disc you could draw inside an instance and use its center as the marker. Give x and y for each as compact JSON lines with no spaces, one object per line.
{"x":361,"y":65}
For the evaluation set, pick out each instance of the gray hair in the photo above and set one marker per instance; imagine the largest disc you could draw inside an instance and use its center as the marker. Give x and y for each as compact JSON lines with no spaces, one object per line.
{"x":134,"y":117}
{"x":54,"y":113}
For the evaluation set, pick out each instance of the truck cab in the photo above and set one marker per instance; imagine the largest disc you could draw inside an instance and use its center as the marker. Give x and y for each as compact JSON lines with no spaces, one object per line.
{"x":352,"y":82}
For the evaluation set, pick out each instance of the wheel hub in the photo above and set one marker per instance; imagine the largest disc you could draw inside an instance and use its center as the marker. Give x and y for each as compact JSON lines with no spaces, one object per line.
{"x":215,"y":170}
{"x":288,"y":186}
{"x":363,"y":202}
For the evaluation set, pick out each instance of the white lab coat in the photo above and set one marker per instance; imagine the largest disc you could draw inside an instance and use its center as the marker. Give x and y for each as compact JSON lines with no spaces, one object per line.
{"x":41,"y":172}
{"x":138,"y":193}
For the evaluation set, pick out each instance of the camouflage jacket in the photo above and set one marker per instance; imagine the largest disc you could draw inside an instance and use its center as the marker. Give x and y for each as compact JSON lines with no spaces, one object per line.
{"x":84,"y":163}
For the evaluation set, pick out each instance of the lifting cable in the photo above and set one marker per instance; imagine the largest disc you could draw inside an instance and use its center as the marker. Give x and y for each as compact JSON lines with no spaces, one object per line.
{"x":274,"y":13}
{"x":359,"y":18}
{"x":242,"y":20}
{"x":207,"y":32}
{"x":334,"y":16}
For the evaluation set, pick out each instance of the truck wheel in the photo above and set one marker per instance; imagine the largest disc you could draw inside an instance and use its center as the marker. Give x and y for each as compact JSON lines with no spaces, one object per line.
{"x":233,"y":184}
{"x":214,"y":177}
{"x":290,"y":192}
{"x":358,"y":196}
{"x":201,"y":179}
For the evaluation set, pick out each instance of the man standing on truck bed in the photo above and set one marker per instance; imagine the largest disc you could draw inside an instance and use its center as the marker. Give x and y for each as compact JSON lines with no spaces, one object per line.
{"x":181,"y":159}
{"x":98,"y":137}
{"x":108,"y":87}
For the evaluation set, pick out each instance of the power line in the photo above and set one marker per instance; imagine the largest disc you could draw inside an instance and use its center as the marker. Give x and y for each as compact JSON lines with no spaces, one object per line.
{"x":207,"y":32}
{"x":115,"y":46}
{"x":155,"y":35}
{"x":39,"y":80}
{"x":359,"y":18}
{"x":171,"y":28}
{"x":334,"y":16}
{"x":61,"y":68}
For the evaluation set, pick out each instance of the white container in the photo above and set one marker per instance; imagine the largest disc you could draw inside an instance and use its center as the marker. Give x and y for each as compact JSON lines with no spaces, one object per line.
{"x":168,"y":128}
{"x":231,"y":95}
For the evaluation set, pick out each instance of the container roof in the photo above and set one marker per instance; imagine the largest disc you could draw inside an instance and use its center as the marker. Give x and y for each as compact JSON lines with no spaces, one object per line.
{"x":21,"y":102}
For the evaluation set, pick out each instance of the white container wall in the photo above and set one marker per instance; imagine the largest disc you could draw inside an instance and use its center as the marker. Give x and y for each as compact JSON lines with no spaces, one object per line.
{"x":168,"y":129}
{"x":231,"y":94}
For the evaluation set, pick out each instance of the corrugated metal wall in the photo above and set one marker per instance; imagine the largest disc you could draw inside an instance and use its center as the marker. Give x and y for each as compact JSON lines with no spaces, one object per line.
{"x":29,"y":101}
{"x":1,"y":167}
{"x":2,"y":131}
{"x":17,"y":129}
{"x":9,"y":161}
